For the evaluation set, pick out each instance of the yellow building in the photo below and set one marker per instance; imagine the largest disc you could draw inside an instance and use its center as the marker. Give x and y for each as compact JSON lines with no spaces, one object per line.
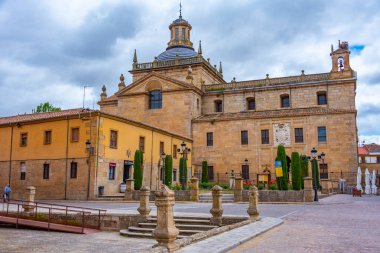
{"x":69,"y":154}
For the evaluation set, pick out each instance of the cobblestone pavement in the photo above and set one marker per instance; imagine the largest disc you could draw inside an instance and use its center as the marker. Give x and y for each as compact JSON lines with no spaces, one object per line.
{"x":339,"y":223}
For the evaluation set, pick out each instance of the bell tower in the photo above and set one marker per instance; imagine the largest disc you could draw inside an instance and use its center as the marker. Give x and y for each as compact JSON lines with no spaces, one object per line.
{"x":341,"y":61}
{"x":180,"y":32}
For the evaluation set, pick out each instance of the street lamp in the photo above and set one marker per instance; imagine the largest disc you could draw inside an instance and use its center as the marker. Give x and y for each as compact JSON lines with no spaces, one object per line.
{"x":88,"y":148}
{"x":163,"y":155}
{"x":88,"y":144}
{"x":314,"y":156}
{"x":185,"y":150}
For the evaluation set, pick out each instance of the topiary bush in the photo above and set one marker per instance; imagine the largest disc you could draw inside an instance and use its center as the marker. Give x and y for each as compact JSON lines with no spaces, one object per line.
{"x":282,"y":182}
{"x":304,"y":169}
{"x":168,"y":170}
{"x":296,"y":171}
{"x":207,"y":185}
{"x":204,"y":178}
{"x":137,"y":175}
{"x":315,"y":162}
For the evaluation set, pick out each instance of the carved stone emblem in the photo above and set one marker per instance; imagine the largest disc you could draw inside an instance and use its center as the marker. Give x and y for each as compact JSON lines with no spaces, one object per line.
{"x":281,"y":134}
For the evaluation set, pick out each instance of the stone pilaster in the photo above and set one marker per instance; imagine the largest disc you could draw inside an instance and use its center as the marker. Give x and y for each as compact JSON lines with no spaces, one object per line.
{"x":130,"y":187}
{"x":194,"y":189}
{"x":253,"y":208}
{"x":144,"y":208}
{"x":216,"y":209}
{"x":166,"y":231}
{"x":29,"y":199}
{"x":308,"y":190}
{"x":238,"y":190}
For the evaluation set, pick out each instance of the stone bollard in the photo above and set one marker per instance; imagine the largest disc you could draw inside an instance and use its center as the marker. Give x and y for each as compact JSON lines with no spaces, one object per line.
{"x":216,"y":209}
{"x":253,"y":208}
{"x":166,"y":231}
{"x":308,"y":192}
{"x":144,"y":208}
{"x":130,"y":187}
{"x":194,"y":189}
{"x":238,"y":190}
{"x":29,"y":200}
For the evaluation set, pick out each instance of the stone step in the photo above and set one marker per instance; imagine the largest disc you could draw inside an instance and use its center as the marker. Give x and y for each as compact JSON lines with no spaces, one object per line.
{"x":127,"y":233}
{"x":182,"y":226}
{"x":150,"y":230}
{"x":187,"y":221}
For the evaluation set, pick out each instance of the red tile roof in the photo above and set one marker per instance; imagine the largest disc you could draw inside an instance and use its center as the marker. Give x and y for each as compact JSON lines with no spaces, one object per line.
{"x":42,"y":116}
{"x":372,"y":148}
{"x":362,"y":151}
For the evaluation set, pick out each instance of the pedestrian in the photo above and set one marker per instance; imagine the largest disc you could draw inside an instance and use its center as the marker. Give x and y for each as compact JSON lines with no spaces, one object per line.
{"x":7,"y":191}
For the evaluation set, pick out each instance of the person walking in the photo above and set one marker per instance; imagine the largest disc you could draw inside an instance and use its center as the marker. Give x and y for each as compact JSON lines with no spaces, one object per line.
{"x":7,"y":191}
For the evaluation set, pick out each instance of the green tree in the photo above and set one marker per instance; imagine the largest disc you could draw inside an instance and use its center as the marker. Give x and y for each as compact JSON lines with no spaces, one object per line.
{"x":314,"y":163}
{"x":296,"y":171}
{"x":137,"y":175}
{"x":304,"y":169}
{"x":183,"y":169}
{"x":46,"y":107}
{"x":204,"y":178}
{"x":168,"y":170}
{"x":282,"y":182}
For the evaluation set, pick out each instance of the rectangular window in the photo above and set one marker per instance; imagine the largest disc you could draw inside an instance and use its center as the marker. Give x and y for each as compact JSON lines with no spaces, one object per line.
{"x":73,"y":170}
{"x":113,"y":139}
{"x":218,"y":106}
{"x":183,"y":33}
{"x":244,"y":137}
{"x":265,"y":136}
{"x":285,"y":101}
{"x":75,"y":134}
{"x":210,"y":139}
{"x":23,"y":139}
{"x":298,"y":135}
{"x":378,"y":159}
{"x":47,"y":137}
{"x":22,"y":170}
{"x":46,"y":171}
{"x":162,"y":147}
{"x":142,"y":143}
{"x":322,"y":134}
{"x":324,"y":173}
{"x":210,"y":173}
{"x":176,"y":33}
{"x":174,"y":175}
{"x":251,"y":104}
{"x":111,"y":172}
{"x":322,"y":99}
{"x":245,"y":171}
{"x":175,"y":151}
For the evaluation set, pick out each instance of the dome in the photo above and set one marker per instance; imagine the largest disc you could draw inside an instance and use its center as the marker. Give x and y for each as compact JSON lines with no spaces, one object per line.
{"x":172,"y":52}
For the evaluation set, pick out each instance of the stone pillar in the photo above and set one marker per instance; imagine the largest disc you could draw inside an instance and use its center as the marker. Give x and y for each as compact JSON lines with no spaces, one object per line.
{"x":166,"y":231}
{"x":29,"y":199}
{"x":238,"y":190}
{"x":216,"y":209}
{"x":253,"y":208}
{"x":194,"y":189}
{"x":325,"y":186}
{"x":130,"y":187}
{"x":308,"y":192}
{"x":144,"y":208}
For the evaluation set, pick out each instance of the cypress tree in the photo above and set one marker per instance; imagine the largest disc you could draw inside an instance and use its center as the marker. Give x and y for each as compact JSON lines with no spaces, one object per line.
{"x":304,"y":169}
{"x":296,"y":171}
{"x":168,"y":170}
{"x":282,"y":181}
{"x":315,"y":162}
{"x":182,"y":169}
{"x":204,"y":178}
{"x":137,"y":175}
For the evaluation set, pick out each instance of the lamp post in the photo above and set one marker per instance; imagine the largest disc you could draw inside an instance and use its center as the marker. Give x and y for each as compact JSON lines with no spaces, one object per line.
{"x":314,"y":157}
{"x":246,"y":165}
{"x":163,"y":155}
{"x":185,"y":150}
{"x":88,"y":148}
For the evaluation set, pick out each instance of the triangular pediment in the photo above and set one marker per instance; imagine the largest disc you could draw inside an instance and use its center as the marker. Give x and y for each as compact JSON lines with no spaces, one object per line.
{"x":154,"y":81}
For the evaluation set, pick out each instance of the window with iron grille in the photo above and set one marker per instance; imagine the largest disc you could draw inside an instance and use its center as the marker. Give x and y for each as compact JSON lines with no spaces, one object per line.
{"x":210,"y":173}
{"x":111,"y":171}
{"x":47,"y":137}
{"x":244,"y":137}
{"x":22,"y":170}
{"x":73,"y":169}
{"x":265,"y":136}
{"x":324,"y":173}
{"x":113,"y":139}
{"x":245,"y":171}
{"x":174,"y":175}
{"x":24,"y":139}
{"x":210,"y":139}
{"x":298,"y":135}
{"x":46,"y":171}
{"x":322,"y":134}
{"x":142,"y":143}
{"x":155,"y":99}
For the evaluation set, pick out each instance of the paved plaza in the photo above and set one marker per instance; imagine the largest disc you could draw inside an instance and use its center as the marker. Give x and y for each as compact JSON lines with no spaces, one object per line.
{"x":339,"y":223}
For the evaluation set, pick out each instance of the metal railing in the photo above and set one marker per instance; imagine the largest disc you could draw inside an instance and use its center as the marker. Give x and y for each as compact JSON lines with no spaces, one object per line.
{"x":81,"y":217}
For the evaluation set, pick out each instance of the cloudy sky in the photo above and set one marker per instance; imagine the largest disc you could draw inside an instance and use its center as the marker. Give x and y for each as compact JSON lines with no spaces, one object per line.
{"x":50,"y":49}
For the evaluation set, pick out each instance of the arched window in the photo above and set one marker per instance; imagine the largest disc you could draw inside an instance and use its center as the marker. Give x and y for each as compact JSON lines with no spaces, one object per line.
{"x":251,"y":105}
{"x":285,"y":102}
{"x":155,"y":99}
{"x":322,"y":98}
{"x":218,"y":106}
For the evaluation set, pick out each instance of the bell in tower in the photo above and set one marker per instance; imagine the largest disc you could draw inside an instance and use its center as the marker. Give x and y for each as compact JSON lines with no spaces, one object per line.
{"x":341,"y":61}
